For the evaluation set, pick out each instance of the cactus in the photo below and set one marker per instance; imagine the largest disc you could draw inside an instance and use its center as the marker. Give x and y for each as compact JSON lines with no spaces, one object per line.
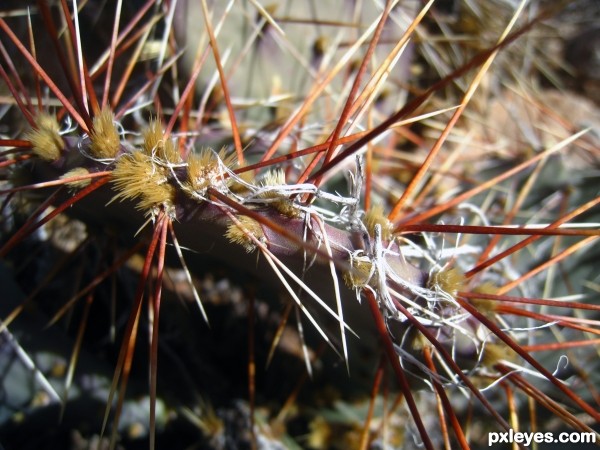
{"x":399,"y":175}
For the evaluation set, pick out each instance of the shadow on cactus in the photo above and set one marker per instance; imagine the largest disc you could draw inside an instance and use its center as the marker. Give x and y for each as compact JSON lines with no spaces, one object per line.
{"x":295,"y":226}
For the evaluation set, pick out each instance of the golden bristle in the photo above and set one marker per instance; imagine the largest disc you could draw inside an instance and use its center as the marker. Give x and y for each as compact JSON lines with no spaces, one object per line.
{"x":375,"y":216}
{"x":135,"y":176}
{"x":486,"y":307}
{"x":105,"y":138}
{"x":419,"y":342}
{"x":360,"y":274}
{"x":238,"y":187}
{"x":493,"y":353}
{"x":282,"y":204}
{"x":450,"y":281}
{"x":159,"y":194}
{"x":320,"y":434}
{"x":274,"y":178}
{"x":77,"y":172}
{"x":201,"y":167}
{"x":157,"y":145}
{"x":45,"y":138}
{"x":237,"y":233}
{"x":204,"y":168}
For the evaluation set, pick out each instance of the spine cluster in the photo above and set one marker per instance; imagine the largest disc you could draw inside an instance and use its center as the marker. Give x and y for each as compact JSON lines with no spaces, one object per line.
{"x":271,"y":216}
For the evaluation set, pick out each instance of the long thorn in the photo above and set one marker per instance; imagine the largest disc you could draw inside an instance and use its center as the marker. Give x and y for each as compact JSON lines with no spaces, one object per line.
{"x":400,"y":375}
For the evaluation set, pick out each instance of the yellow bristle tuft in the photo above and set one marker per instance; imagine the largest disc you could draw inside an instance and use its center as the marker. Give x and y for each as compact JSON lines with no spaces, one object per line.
{"x":419,"y":342}
{"x":375,"y":216}
{"x":157,"y":145}
{"x":45,"y":138}
{"x":360,"y":274}
{"x":238,"y":233}
{"x":320,"y":434}
{"x":274,"y":178}
{"x":238,"y":187}
{"x":281,"y":203}
{"x":487,"y":307}
{"x":77,"y":172}
{"x":205,"y":169}
{"x":493,"y":353}
{"x":136,"y":176}
{"x":157,"y":195}
{"x":450,"y":281}
{"x":105,"y":138}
